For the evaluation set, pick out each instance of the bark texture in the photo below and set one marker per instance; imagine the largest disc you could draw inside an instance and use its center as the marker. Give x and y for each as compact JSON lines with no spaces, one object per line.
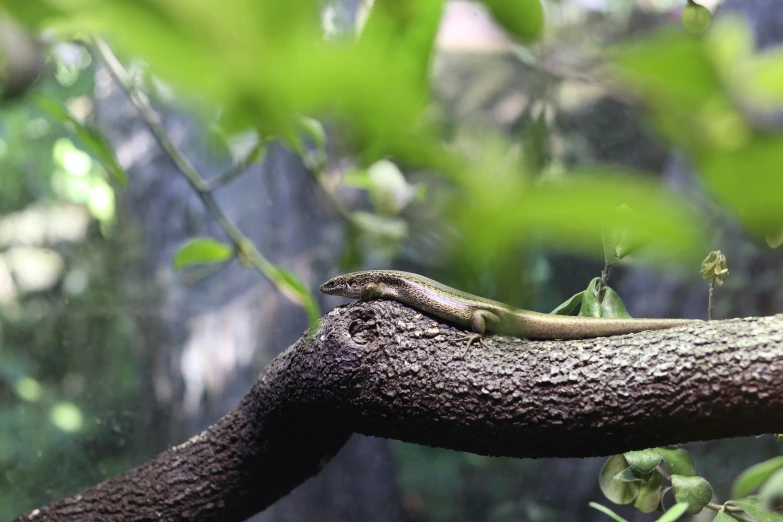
{"x":385,"y":370}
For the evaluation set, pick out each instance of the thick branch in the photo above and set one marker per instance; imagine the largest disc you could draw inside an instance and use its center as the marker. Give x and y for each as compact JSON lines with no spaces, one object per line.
{"x":383,"y":369}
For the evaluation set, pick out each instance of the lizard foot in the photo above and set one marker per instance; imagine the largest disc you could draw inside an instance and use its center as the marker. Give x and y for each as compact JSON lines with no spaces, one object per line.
{"x":472,"y":338}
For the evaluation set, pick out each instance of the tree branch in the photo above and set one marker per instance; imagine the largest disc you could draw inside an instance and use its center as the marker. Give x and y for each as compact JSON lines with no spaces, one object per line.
{"x":385,"y":370}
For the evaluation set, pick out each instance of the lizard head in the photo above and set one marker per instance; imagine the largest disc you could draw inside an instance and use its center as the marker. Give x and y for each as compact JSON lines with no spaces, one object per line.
{"x":344,"y":285}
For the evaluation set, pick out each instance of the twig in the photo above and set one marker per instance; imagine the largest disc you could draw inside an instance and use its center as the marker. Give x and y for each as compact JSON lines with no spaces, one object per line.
{"x":235,"y":170}
{"x":244,"y":247}
{"x":710,"y":306}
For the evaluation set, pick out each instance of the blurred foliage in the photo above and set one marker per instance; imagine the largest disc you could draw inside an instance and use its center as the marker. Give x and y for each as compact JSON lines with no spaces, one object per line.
{"x":69,"y":385}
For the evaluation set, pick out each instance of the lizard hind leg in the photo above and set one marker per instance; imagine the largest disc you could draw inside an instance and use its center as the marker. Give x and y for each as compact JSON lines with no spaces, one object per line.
{"x":479,"y":321}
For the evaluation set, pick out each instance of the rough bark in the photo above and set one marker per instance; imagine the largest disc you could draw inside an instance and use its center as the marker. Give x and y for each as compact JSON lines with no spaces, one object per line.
{"x":385,"y":370}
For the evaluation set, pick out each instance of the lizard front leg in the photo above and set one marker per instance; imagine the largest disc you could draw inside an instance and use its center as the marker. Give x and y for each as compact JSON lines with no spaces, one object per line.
{"x":374,"y":291}
{"x":479,"y":320}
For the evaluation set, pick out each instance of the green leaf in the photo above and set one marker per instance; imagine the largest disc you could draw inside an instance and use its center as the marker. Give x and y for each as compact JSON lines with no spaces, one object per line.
{"x":299,"y":292}
{"x":650,"y":494}
{"x":771,"y":493}
{"x":754,"y":508}
{"x":202,"y":250}
{"x":92,"y":140}
{"x":591,"y":304}
{"x":696,"y":18}
{"x":406,"y":31}
{"x":678,"y":460}
{"x":389,"y":190}
{"x":674,"y":513}
{"x":643,"y":461}
{"x":606,"y":303}
{"x":722,"y":516}
{"x":696,"y":491}
{"x":631,"y":475}
{"x":617,"y":491}
{"x":754,"y":191}
{"x":619,"y":238}
{"x":612,"y":306}
{"x":566,"y":307}
{"x":753,"y":477}
{"x":523,"y":19}
{"x":315,"y":133}
{"x":607,"y":511}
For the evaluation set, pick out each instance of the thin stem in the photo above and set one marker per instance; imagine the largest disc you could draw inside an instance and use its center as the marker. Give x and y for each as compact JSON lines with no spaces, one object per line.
{"x":244,"y":247}
{"x":663,"y":473}
{"x":710,"y":306}
{"x":235,"y":170}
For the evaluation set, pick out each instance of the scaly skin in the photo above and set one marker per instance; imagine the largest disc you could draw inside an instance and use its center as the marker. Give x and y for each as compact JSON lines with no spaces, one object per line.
{"x":479,"y":314}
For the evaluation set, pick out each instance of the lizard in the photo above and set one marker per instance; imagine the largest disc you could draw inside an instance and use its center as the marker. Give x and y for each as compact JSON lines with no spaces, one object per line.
{"x":479,"y":314}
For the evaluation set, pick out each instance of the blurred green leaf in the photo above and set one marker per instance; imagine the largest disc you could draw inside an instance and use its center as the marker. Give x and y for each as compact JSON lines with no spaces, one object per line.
{"x":771,"y":493}
{"x":386,"y":227}
{"x":674,"y":513}
{"x":607,"y":511}
{"x":523,"y":19}
{"x":389,"y":190}
{"x":314,"y":131}
{"x":677,"y":76}
{"x":754,"y":508}
{"x":696,"y":18}
{"x":617,"y":491}
{"x":202,"y":250}
{"x":696,"y":491}
{"x":498,"y":208}
{"x":753,"y":477}
{"x":407,"y":30}
{"x":619,"y":239}
{"x":722,"y":516}
{"x":747,"y":179}
{"x":300,"y":293}
{"x":91,"y":138}
{"x":678,"y":460}
{"x":566,"y":307}
{"x":643,"y":461}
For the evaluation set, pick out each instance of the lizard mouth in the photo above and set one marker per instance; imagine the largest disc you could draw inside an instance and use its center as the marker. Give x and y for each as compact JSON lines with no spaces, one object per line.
{"x":332,"y":287}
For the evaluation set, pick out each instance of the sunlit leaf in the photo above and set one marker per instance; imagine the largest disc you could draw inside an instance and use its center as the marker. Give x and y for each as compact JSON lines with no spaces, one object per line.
{"x":203,"y":250}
